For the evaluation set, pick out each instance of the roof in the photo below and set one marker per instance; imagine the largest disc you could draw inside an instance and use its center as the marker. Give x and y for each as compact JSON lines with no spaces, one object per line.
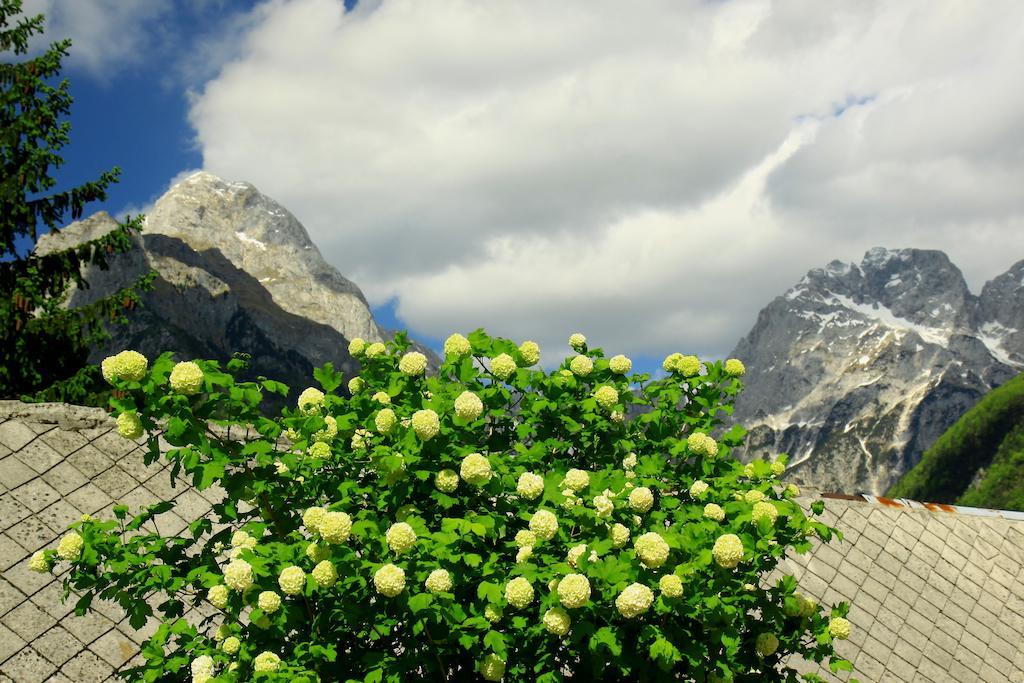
{"x":937,"y":592}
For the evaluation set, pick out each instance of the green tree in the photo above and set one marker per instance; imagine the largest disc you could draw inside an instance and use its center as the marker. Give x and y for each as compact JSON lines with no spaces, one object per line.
{"x":43,"y":345}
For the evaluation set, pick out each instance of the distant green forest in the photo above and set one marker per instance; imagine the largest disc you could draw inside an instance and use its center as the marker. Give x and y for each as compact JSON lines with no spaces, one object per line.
{"x":988,"y":438}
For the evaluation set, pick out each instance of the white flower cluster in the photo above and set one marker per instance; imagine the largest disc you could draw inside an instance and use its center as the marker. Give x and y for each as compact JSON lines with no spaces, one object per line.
{"x":544,"y":524}
{"x":641,"y":499}
{"x":292,"y":580}
{"x":574,"y":590}
{"x":439,"y":581}
{"x":529,"y":351}
{"x":38,"y":562}
{"x":385,"y":421}
{"x":634,"y":600}
{"x":698,"y":489}
{"x":186,"y":378}
{"x":687,"y":366}
{"x":764,"y":510}
{"x":413,"y":364}
{"x":652,"y":549}
{"x":606,"y":396}
{"x":218,"y":596}
{"x":446,"y":481}
{"x":492,"y":668}
{"x":700,"y":443}
{"x":728,"y":551}
{"x":519,"y":592}
{"x":475,"y":469}
{"x":400,"y":537}
{"x":310,"y":401}
{"x":714,"y":511}
{"x":581,"y":366}
{"x":335,"y":527}
{"x":671,"y":586}
{"x":266,"y":661}
{"x":202,"y":669}
{"x":468,"y":406}
{"x":502,"y":366}
{"x":389,"y":580}
{"x":457,"y":346}
{"x":238,"y":575}
{"x":734,"y":367}
{"x":325,"y":574}
{"x":620,"y":365}
{"x":576,"y":480}
{"x":529,"y":486}
{"x":330,"y":430}
{"x":620,"y":535}
{"x":426,"y":424}
{"x":269,"y":601}
{"x":130,"y":366}
{"x":557,"y":621}
{"x":129,"y":425}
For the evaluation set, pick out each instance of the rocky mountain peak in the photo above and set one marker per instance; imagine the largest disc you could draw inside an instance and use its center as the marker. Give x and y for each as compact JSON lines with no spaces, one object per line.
{"x":236,"y":272}
{"x":858,"y":368}
{"x":264,"y":239}
{"x":206,"y":196}
{"x":920,"y":286}
{"x":1001,"y":313}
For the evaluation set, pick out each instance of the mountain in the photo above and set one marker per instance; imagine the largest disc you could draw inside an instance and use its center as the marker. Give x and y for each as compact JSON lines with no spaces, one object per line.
{"x":858,"y":369}
{"x":236,"y":272}
{"x":979,"y":461}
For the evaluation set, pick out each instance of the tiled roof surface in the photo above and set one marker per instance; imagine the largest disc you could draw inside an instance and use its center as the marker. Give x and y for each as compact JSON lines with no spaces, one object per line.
{"x":937,"y":595}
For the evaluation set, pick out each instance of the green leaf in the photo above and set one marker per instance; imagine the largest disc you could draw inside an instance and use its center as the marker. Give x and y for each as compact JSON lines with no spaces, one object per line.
{"x":836,"y":665}
{"x":605,"y":636}
{"x":275,"y":387}
{"x":208,"y":474}
{"x":327,"y":377}
{"x":420,"y":601}
{"x":495,"y":641}
{"x":489,"y":591}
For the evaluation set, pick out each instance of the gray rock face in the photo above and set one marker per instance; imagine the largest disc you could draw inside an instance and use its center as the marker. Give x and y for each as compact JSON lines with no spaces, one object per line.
{"x":857,"y":370}
{"x":236,"y":272}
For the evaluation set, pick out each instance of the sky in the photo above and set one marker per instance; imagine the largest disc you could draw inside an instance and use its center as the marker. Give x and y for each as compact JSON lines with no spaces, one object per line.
{"x":649,"y":173}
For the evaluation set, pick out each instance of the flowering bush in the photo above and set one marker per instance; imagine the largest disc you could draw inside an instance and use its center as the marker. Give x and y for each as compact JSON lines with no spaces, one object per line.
{"x":488,"y":521}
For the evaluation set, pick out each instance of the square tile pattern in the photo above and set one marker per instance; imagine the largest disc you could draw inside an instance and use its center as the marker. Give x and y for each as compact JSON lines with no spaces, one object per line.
{"x":936,"y":597}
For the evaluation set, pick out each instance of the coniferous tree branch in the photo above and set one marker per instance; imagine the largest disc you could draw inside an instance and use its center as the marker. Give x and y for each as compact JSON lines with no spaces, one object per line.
{"x":45,"y":344}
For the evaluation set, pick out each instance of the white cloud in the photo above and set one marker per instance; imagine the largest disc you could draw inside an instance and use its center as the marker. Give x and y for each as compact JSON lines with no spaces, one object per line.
{"x":650,"y":173}
{"x":106,"y":35}
{"x":187,"y":40}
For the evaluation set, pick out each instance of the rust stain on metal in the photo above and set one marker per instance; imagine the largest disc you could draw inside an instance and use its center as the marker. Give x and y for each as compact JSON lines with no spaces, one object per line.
{"x":842,"y":496}
{"x":889,"y":502}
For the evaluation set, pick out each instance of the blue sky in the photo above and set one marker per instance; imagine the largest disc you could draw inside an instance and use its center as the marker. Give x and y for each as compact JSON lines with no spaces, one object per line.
{"x":649,"y":174}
